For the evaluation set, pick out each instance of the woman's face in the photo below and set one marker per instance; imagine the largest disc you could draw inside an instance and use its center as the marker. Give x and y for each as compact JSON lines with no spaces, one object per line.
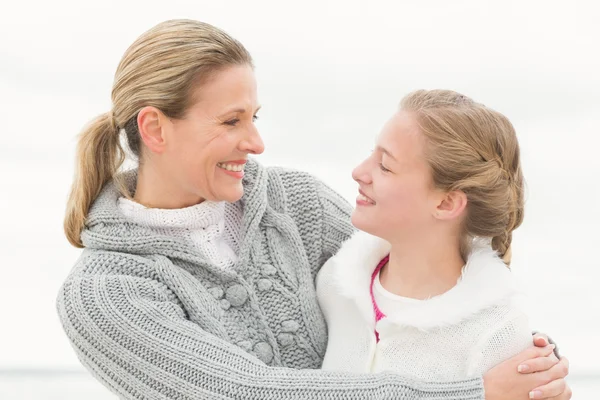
{"x":205,"y":152}
{"x":397,"y":193}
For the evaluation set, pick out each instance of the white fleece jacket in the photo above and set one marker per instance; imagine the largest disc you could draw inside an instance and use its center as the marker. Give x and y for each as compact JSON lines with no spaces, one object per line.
{"x":461,"y":333}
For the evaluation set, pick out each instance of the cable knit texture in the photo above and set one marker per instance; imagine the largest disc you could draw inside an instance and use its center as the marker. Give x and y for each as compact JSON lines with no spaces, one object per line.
{"x":151,"y":317}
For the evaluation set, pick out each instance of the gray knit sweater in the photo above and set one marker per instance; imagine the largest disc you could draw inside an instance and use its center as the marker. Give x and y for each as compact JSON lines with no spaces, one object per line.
{"x":150,"y":318}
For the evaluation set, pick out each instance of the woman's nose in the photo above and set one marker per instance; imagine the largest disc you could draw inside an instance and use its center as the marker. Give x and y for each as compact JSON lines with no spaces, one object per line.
{"x":253,"y":143}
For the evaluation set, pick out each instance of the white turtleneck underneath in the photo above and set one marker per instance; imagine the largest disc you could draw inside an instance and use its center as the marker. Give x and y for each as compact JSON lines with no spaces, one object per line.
{"x":213,"y":228}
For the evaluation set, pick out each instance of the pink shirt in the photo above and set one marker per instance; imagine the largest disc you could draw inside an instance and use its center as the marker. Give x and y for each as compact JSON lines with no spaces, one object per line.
{"x":378,"y":314}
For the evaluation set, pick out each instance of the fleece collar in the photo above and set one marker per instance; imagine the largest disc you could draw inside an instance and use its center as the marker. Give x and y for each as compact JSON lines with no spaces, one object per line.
{"x":485,"y":281}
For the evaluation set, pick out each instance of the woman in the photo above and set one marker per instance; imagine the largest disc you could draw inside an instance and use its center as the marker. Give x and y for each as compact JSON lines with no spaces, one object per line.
{"x":197,"y":278}
{"x":425,"y":290}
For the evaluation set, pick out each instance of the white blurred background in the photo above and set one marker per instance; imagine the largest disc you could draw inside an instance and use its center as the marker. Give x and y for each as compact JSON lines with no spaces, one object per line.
{"x":329,"y":73}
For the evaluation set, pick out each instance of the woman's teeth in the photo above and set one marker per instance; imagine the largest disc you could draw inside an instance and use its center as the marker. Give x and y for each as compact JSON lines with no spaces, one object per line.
{"x":231,"y":167}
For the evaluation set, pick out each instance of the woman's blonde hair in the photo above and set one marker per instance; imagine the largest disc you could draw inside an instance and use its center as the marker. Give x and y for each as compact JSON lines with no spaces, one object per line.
{"x":161,"y":68}
{"x":473,"y":149}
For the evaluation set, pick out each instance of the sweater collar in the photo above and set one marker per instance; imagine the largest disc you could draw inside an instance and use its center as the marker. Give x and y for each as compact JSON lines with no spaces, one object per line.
{"x":199,"y":216}
{"x":485,"y":281}
{"x":107,"y":228}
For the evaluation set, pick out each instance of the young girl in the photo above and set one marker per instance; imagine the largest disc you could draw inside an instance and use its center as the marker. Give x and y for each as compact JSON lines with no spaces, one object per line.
{"x":425,"y":289}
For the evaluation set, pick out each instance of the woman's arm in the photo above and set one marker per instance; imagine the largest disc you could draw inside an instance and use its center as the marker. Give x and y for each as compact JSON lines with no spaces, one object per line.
{"x":545,"y":378}
{"x":337,"y":212}
{"x":320,"y":213}
{"x":133,"y":335}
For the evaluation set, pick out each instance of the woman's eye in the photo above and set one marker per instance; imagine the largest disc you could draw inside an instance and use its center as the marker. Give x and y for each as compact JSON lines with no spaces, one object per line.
{"x":232,"y":122}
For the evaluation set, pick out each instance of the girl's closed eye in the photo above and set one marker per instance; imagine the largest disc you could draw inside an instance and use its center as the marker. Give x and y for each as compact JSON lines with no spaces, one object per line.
{"x":383,"y":168}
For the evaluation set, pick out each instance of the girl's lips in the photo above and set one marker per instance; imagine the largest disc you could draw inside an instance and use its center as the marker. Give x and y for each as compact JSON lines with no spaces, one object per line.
{"x":363,"y":200}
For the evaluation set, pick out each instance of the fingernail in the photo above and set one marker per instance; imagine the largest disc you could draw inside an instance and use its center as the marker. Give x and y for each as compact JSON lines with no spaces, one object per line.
{"x":536,"y":394}
{"x":523,"y":368}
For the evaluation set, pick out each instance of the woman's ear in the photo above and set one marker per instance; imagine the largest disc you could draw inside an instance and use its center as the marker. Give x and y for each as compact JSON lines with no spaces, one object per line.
{"x":150,"y":124}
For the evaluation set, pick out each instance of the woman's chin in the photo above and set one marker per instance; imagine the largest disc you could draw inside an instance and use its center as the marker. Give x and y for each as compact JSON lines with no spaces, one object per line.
{"x":232,"y":194}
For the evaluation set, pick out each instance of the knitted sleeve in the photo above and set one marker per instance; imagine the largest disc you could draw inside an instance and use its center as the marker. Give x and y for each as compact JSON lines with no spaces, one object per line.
{"x":321,"y":214}
{"x":337,"y":227}
{"x":131,"y":332}
{"x":503,"y":342}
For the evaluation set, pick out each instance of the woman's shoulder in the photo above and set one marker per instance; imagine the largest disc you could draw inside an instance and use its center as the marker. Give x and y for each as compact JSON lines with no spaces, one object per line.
{"x":304,"y":190}
{"x":292,"y":180}
{"x":289,"y":187}
{"x":281,"y":187}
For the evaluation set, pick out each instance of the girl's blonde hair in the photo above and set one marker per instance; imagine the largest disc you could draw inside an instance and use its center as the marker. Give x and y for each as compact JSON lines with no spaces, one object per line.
{"x":473,"y":149}
{"x":161,"y":68}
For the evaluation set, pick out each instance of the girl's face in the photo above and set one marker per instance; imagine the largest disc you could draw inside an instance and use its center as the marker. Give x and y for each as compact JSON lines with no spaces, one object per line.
{"x":397,"y":193}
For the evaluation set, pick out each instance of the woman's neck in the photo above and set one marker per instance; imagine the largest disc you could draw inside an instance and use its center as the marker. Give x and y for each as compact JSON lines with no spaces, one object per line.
{"x":422,"y":270}
{"x":156,"y":191}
